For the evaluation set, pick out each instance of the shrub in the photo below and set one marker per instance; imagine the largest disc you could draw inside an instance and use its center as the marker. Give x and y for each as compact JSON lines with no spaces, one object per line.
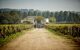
{"x":7,"y":30}
{"x":68,"y":29}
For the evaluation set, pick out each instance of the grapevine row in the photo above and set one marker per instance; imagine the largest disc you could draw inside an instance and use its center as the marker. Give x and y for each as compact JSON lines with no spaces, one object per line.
{"x":72,"y":30}
{"x":6,"y":30}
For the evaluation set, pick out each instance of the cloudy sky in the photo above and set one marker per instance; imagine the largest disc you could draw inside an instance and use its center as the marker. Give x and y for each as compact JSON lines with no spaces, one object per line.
{"x":52,"y":5}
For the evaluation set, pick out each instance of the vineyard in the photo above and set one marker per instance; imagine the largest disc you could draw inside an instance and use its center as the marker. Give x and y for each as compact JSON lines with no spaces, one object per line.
{"x":11,"y":30}
{"x":72,"y":30}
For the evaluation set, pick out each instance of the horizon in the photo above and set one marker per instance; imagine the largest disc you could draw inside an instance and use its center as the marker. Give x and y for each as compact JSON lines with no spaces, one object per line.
{"x":42,"y":5}
{"x":39,"y":10}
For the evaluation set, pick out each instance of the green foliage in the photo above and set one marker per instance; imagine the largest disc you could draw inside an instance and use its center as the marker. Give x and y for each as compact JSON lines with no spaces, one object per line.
{"x":39,"y":18}
{"x":9,"y":32}
{"x":66,"y":29}
{"x":12,"y":16}
{"x":6,"y":30}
{"x":52,"y":19}
{"x":9,"y":38}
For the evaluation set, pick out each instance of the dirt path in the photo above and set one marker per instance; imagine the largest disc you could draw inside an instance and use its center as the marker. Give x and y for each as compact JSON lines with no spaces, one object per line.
{"x":39,"y":39}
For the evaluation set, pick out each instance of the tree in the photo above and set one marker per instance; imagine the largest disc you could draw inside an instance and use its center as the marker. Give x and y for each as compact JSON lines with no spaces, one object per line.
{"x":52,"y":19}
{"x":39,"y":18}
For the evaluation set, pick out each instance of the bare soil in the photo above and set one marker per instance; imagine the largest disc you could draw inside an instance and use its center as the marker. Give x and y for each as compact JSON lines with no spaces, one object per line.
{"x":40,"y":39}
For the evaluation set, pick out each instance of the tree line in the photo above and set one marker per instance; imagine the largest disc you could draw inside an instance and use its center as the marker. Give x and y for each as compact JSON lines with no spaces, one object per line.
{"x":13,"y":16}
